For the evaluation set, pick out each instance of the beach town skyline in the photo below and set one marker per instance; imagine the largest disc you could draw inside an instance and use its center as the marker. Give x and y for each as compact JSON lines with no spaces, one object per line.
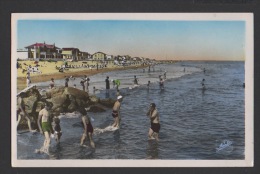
{"x":160,"y":40}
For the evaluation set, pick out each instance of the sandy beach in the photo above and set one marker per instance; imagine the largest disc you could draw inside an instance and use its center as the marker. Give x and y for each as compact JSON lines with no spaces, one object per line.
{"x":48,"y":70}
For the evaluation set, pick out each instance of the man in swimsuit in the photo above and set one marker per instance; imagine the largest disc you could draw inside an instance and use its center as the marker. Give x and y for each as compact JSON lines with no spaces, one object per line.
{"x":155,"y":125}
{"x":21,"y":111}
{"x":45,"y":127}
{"x":116,"y":113}
{"x":88,"y":128}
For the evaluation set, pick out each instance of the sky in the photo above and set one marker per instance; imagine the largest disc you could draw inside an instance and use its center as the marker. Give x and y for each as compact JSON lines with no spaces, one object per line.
{"x":155,"y":39}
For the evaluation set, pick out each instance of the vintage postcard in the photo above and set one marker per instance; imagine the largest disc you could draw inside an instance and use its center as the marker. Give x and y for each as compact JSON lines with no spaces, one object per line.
{"x":132,"y":90}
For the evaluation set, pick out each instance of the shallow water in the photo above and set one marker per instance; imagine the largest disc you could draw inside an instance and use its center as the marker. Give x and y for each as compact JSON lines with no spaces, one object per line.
{"x":194,"y":122}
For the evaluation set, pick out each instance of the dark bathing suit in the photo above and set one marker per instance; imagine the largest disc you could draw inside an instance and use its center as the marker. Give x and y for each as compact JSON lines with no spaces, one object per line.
{"x":89,"y":128}
{"x":115,"y":114}
{"x":155,"y":127}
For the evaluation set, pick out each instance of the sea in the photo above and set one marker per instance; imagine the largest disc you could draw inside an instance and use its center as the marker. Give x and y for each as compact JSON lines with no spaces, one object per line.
{"x":196,"y":123}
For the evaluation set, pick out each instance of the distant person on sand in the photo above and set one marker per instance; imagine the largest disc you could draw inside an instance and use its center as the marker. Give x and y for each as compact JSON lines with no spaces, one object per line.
{"x":88,"y":128}
{"x":202,"y":84}
{"x":161,"y":84}
{"x":135,"y":81}
{"x":116,"y":111}
{"x":45,"y":127}
{"x":52,"y":83}
{"x":57,"y":129}
{"x":155,"y":125}
{"x":107,"y":84}
{"x":21,"y":111}
{"x":28,"y":79}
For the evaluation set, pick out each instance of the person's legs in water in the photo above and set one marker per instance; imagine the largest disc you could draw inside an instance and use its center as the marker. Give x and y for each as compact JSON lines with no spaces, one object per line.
{"x":92,"y":144}
{"x":29,"y":123}
{"x":83,"y":139}
{"x":47,"y":142}
{"x":150,"y":134}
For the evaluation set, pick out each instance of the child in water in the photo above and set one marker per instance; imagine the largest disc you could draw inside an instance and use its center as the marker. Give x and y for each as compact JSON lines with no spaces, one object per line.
{"x":57,"y":129}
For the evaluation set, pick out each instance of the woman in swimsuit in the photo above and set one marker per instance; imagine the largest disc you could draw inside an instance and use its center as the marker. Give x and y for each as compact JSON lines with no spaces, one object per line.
{"x":88,"y":128}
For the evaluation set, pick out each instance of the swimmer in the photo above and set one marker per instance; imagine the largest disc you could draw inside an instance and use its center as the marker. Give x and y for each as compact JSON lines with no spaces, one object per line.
{"x":45,"y":126}
{"x":135,"y":81}
{"x":202,"y":84}
{"x":116,"y":111}
{"x":52,"y":83}
{"x":161,"y":83}
{"x":148,"y":84}
{"x":21,"y":111}
{"x":155,"y":125}
{"x":57,"y":129}
{"x":88,"y":128}
{"x":107,"y":84}
{"x":28,"y":79}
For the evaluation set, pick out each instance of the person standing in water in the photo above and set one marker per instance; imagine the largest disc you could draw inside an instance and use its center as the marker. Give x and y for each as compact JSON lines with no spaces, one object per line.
{"x":52,"y":83}
{"x":116,"y":111}
{"x":135,"y":81}
{"x":155,"y":125}
{"x":88,"y":128}
{"x":107,"y":84}
{"x":45,"y":127}
{"x":21,"y":111}
{"x":57,"y":129}
{"x":66,"y":81}
{"x":161,"y":84}
{"x":28,"y":79}
{"x":148,"y":85}
{"x":164,"y":74}
{"x":202,"y":84}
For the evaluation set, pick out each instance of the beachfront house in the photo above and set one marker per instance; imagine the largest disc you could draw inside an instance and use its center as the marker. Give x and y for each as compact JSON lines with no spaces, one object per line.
{"x":70,"y":53}
{"x":43,"y":50}
{"x":99,"y":56}
{"x":83,"y":56}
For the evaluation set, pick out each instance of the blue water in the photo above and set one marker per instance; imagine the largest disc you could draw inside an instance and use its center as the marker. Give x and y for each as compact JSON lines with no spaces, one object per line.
{"x":194,"y":122}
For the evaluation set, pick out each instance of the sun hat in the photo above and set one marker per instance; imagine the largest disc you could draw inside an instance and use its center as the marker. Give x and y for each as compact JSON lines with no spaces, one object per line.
{"x":119,"y":97}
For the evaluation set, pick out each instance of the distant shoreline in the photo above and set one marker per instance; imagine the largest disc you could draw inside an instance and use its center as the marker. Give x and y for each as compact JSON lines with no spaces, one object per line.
{"x":21,"y":81}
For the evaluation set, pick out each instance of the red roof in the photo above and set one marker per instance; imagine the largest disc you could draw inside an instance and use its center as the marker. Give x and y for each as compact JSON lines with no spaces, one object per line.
{"x":42,"y":45}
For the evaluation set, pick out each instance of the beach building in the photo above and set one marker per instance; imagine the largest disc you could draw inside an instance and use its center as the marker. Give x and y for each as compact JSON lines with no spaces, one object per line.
{"x":43,"y":50}
{"x":70,"y":53}
{"x":84,"y":56}
{"x":99,"y":56}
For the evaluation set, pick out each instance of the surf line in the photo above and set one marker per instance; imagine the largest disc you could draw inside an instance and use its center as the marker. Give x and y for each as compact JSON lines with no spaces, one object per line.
{"x":106,"y":129}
